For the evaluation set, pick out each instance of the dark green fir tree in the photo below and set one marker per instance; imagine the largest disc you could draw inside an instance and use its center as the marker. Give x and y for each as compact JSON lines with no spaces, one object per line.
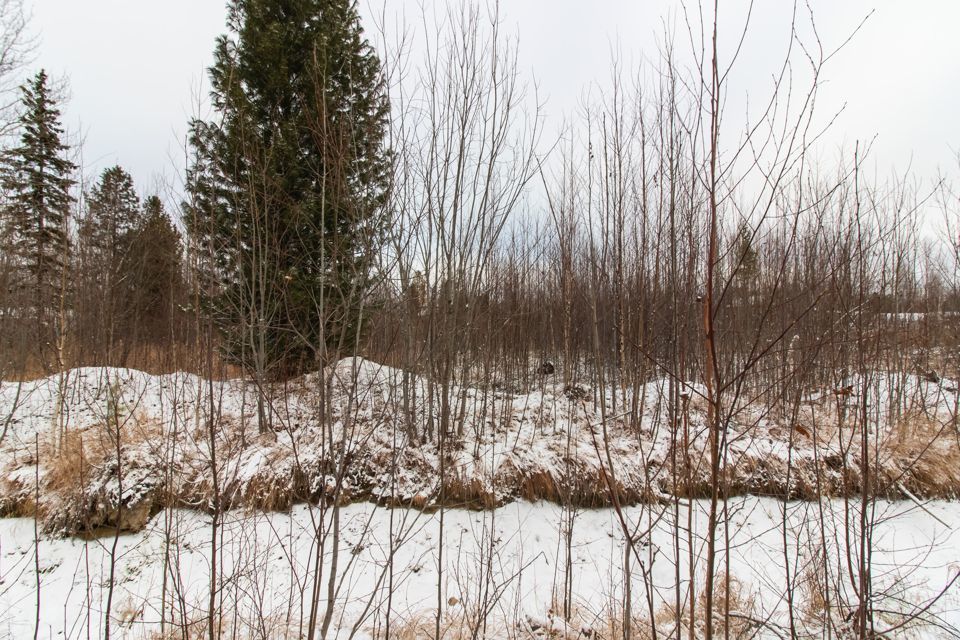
{"x":113,"y":211}
{"x":106,"y":235}
{"x":157,"y":277}
{"x":289,"y":181}
{"x":37,"y":178}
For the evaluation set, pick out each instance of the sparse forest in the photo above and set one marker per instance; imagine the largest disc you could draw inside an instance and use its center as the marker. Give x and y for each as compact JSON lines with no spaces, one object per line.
{"x":397,"y":360}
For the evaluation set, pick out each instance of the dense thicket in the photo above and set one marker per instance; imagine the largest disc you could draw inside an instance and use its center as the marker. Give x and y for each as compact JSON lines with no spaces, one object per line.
{"x":295,"y":234}
{"x":301,"y":224}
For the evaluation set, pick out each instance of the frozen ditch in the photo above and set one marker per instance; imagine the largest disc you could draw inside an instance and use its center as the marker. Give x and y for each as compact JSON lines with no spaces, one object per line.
{"x":503,"y":571}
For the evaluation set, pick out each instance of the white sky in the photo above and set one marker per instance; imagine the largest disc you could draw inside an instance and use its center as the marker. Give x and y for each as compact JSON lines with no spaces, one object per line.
{"x":136,"y":68}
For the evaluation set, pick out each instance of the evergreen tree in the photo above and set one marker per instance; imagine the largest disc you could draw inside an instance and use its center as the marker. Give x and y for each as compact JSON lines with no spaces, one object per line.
{"x":747,"y":263}
{"x":288,"y":184}
{"x":157,"y":277}
{"x":113,"y":211}
{"x":37,"y":180}
{"x":107,"y":269}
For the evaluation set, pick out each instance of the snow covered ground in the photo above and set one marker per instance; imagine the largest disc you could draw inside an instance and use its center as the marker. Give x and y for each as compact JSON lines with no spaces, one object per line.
{"x":507,"y":563}
{"x":95,"y":450}
{"x":59,"y":451}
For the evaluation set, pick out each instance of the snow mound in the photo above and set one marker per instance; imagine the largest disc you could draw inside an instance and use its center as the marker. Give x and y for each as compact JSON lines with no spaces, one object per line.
{"x":101,"y":447}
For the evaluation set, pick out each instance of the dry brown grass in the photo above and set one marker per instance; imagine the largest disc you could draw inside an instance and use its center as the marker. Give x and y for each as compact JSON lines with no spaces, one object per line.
{"x":158,"y":360}
{"x":193,"y":630}
{"x":31,"y":369}
{"x":739,"y":624}
{"x":813,"y":589}
{"x":277,"y":484}
{"x":152,"y":359}
{"x":729,"y":594}
{"x":609,"y":623}
{"x":76,"y":458}
{"x":68,"y":457}
{"x":273,"y":626}
{"x":923,"y":454}
{"x":69,"y":460}
{"x":128,"y":613}
{"x":467,"y":491}
{"x":419,"y":626}
{"x":575,"y":483}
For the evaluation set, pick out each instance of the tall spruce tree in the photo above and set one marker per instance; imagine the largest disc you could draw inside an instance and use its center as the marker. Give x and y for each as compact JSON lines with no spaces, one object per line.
{"x":106,"y":234}
{"x":113,"y":211}
{"x":37,"y":179}
{"x":288,"y":182}
{"x":156,"y":278}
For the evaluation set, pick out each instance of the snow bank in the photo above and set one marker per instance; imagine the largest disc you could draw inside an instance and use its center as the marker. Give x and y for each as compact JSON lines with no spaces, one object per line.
{"x":365,"y":432}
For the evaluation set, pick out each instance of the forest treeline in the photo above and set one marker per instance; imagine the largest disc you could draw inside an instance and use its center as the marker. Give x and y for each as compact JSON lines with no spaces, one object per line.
{"x":338,"y":204}
{"x":80,"y":285}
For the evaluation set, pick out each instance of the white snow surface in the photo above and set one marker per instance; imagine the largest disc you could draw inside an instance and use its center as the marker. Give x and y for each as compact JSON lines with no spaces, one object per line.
{"x":503,"y":566}
{"x":514,"y":554}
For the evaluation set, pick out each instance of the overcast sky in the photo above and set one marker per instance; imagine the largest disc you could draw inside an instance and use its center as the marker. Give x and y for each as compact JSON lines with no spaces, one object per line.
{"x":136,"y":68}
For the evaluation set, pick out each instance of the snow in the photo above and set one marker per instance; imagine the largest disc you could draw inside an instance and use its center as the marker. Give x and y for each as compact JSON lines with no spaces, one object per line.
{"x":503,"y":565}
{"x":505,"y":446}
{"x":266,"y":562}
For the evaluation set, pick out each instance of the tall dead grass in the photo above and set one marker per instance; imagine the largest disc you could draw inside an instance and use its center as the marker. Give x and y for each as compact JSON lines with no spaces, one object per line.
{"x":153,"y":359}
{"x":923,"y":455}
{"x":81,"y":475}
{"x":454,"y":625}
{"x":735,"y":615}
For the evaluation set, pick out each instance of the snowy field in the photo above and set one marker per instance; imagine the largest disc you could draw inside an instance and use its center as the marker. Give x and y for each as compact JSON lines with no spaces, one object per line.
{"x":507,"y":564}
{"x":116,"y":464}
